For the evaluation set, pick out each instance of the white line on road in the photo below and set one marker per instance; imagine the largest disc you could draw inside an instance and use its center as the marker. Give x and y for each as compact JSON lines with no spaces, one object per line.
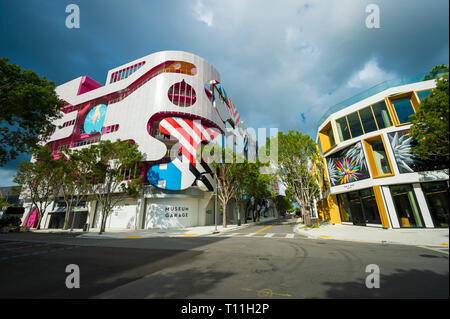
{"x":250,"y":235}
{"x":269,"y":235}
{"x":231,"y":234}
{"x":289,"y":235}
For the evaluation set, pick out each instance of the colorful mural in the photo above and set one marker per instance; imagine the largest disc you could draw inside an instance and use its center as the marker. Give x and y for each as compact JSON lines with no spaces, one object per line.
{"x":347,"y":166}
{"x":94,"y":120}
{"x":183,"y":171}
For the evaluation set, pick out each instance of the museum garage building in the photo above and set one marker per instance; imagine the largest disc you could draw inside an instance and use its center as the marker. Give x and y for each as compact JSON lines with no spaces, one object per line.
{"x":169,"y":101}
{"x":370,"y":176}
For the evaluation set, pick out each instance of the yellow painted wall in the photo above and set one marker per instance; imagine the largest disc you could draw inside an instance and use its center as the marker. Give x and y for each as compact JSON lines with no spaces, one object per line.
{"x":328,"y":209}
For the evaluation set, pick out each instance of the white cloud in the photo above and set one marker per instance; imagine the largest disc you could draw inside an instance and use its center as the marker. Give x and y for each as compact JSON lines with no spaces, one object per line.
{"x":203,"y":14}
{"x":371,"y":74}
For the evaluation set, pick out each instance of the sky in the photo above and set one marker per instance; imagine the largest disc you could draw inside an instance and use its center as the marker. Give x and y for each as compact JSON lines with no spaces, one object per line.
{"x":283,"y":63}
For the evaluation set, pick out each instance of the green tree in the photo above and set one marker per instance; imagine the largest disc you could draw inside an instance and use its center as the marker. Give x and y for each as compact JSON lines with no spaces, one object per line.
{"x":256,"y":187}
{"x":74,"y":179}
{"x":110,"y":163}
{"x":298,"y":161}
{"x":430,"y":123}
{"x":29,"y":105}
{"x":224,"y":172}
{"x":39,"y":180}
{"x":4,"y":203}
{"x":283,"y":203}
{"x":435,"y":71}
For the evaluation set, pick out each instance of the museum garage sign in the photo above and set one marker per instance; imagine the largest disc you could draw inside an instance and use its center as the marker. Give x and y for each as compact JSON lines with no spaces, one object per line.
{"x":171,"y":213}
{"x":177,"y":211}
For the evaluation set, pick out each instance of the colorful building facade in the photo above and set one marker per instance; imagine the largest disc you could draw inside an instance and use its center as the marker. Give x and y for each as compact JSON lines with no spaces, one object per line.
{"x":168,"y":103}
{"x":370,"y":176}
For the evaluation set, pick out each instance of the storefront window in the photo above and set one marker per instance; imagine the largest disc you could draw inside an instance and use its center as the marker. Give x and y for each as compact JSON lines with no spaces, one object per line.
{"x":382,"y":115}
{"x":404,"y":109}
{"x":437,"y":195}
{"x":406,"y":206}
{"x":359,"y":207}
{"x":370,"y":206}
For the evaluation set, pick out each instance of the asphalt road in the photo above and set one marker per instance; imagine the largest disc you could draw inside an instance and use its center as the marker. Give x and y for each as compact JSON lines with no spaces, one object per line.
{"x":265,"y":261}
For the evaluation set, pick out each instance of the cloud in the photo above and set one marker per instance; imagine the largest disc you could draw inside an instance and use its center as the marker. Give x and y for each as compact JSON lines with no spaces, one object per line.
{"x":203,"y":14}
{"x":371,"y":74}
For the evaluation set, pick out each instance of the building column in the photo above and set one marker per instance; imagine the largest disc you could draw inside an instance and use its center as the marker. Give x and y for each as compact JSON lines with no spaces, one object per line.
{"x":381,"y":208}
{"x":423,"y":206}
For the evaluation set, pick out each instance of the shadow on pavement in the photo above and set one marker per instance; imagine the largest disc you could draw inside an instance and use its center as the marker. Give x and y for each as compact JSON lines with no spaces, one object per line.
{"x":412,"y":283}
{"x":174,"y":285}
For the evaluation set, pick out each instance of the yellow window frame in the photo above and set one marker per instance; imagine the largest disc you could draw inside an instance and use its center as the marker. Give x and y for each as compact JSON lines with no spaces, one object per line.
{"x":413,"y":98}
{"x":371,"y":158}
{"x":324,"y":138}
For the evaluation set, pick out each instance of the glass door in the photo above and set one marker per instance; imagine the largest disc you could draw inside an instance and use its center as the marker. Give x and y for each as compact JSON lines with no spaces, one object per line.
{"x":406,"y":206}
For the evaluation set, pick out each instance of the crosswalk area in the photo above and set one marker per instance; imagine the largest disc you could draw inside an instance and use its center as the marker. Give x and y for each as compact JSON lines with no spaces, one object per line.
{"x":11,"y":250}
{"x":259,"y":235}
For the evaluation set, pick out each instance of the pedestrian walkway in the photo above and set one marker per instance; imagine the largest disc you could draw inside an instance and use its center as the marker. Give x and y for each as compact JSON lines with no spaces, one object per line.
{"x":435,"y":237}
{"x":260,"y":235}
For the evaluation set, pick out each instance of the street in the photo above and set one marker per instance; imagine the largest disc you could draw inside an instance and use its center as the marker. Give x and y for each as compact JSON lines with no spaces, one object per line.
{"x":257,"y":262}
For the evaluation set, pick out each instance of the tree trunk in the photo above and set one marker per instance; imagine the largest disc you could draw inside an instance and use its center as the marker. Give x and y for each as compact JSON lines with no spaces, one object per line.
{"x":224,"y":216}
{"x":38,"y":226}
{"x":67,"y":217}
{"x":238,"y":214}
{"x":103,"y":224}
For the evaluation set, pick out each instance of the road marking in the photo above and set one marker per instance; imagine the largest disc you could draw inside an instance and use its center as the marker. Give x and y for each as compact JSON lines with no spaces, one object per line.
{"x":190,"y":234}
{"x":323,"y":236}
{"x":231,"y":234}
{"x":289,"y":235}
{"x":250,"y":235}
{"x":258,"y":231}
{"x":263,"y":293}
{"x":269,"y":235}
{"x":444,"y":244}
{"x":132,"y":236}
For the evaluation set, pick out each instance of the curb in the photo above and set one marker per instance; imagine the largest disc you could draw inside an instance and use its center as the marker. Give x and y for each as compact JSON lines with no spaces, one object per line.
{"x":382,"y":242}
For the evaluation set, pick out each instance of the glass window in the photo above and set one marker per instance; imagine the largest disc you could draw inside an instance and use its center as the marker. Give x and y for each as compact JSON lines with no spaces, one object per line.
{"x":437,"y":195}
{"x":342,"y":129}
{"x":331,"y":136}
{"x":370,"y":207}
{"x":367,"y":120}
{"x":423,"y":94}
{"x":350,"y":208}
{"x":355,"y":124}
{"x":404,"y":109}
{"x":406,"y":206}
{"x":380,"y":156}
{"x":382,"y":115}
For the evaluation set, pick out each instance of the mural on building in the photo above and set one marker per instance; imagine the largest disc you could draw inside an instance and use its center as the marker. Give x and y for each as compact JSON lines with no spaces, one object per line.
{"x":94,"y":120}
{"x":402,"y":143}
{"x":347,"y":166}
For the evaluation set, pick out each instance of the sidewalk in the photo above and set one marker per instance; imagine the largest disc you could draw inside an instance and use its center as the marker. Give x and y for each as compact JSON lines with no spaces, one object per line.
{"x":418,"y":237}
{"x":169,"y":232}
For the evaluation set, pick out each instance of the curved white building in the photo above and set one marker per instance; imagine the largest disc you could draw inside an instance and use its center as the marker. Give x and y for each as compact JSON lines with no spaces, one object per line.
{"x":170,"y":101}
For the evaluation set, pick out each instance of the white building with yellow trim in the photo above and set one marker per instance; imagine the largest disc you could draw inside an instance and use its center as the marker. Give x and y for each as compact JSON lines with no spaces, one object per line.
{"x":370,"y":176}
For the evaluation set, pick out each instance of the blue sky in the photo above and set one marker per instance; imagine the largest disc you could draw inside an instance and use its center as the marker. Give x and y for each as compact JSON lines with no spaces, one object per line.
{"x":284,"y":63}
